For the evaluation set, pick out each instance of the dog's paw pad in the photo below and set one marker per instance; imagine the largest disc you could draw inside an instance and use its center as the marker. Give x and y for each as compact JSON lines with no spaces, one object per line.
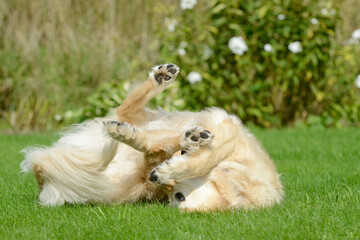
{"x":196,"y":137}
{"x":111,"y":126}
{"x":119,"y":130}
{"x":165,"y":73}
{"x":199,"y":135}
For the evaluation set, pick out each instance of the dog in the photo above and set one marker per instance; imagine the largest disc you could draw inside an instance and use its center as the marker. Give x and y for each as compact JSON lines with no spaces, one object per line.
{"x":199,"y":161}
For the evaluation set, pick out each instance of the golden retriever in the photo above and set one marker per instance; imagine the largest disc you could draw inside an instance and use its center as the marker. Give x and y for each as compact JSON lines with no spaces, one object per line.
{"x":202,"y":161}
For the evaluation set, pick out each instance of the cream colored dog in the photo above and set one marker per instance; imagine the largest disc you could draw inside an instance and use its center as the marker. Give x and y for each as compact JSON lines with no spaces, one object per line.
{"x":202,"y":161}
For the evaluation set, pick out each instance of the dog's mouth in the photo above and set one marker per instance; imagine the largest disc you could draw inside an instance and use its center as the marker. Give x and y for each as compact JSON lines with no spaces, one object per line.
{"x":167,"y":188}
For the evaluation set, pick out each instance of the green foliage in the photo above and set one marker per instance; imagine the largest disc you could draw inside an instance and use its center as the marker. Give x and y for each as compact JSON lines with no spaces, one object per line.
{"x":110,"y":95}
{"x":272,"y":88}
{"x":58,"y":52}
{"x":55,"y":56}
{"x":107,"y":97}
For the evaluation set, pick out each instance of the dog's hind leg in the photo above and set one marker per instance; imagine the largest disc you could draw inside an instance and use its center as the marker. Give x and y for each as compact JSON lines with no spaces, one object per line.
{"x":72,"y":170}
{"x":132,"y":110}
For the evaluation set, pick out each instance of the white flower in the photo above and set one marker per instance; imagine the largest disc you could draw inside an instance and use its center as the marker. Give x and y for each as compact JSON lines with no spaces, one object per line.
{"x":356,"y":34}
{"x":181,"y":51}
{"x":58,"y":117}
{"x":171,"y":23}
{"x":237,"y":45}
{"x":324,"y":11}
{"x":194,"y":77}
{"x":281,"y":17}
{"x":187,"y":4}
{"x":357,"y":81}
{"x":314,"y":21}
{"x":295,"y":47}
{"x":268,"y":47}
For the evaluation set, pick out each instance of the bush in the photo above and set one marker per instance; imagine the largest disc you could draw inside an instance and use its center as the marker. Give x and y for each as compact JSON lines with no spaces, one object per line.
{"x":283,"y":64}
{"x":55,"y":74}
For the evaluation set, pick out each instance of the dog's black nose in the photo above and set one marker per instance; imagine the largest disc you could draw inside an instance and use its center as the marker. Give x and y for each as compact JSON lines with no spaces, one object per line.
{"x":153,"y":177}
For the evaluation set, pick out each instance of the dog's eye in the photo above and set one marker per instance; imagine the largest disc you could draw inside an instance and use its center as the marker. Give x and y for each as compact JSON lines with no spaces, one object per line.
{"x":179,"y":196}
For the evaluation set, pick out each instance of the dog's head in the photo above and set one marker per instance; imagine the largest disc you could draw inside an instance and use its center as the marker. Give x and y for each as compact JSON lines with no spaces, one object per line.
{"x":196,"y":194}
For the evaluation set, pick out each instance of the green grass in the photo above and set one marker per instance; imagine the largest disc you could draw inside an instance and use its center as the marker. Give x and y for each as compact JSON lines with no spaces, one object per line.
{"x":320,"y":172}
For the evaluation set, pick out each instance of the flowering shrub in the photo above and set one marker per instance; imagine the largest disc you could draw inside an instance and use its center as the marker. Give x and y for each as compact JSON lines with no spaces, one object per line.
{"x":270,"y":62}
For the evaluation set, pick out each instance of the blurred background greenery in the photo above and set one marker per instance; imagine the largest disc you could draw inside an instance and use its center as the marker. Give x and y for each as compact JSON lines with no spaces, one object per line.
{"x":272,"y":62}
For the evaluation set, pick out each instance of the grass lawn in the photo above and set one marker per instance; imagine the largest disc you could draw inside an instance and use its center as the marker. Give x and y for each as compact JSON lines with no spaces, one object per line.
{"x":320,"y":172}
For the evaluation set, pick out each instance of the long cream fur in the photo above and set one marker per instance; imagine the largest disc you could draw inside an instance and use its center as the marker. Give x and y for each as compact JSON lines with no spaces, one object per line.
{"x":134,"y":155}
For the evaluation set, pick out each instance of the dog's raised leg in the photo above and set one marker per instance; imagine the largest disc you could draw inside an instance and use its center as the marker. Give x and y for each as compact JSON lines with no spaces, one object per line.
{"x":132,"y":110}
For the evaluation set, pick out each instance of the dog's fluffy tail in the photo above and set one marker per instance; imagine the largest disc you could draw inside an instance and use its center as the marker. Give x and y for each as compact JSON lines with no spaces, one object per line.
{"x":72,"y":170}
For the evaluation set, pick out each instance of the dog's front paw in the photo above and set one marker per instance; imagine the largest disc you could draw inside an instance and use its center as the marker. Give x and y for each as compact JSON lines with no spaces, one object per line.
{"x":120,"y":130}
{"x":164,"y":74}
{"x":194,"y":138}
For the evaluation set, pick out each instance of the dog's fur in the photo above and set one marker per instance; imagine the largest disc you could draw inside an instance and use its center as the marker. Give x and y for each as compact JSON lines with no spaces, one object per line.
{"x":222,"y":165}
